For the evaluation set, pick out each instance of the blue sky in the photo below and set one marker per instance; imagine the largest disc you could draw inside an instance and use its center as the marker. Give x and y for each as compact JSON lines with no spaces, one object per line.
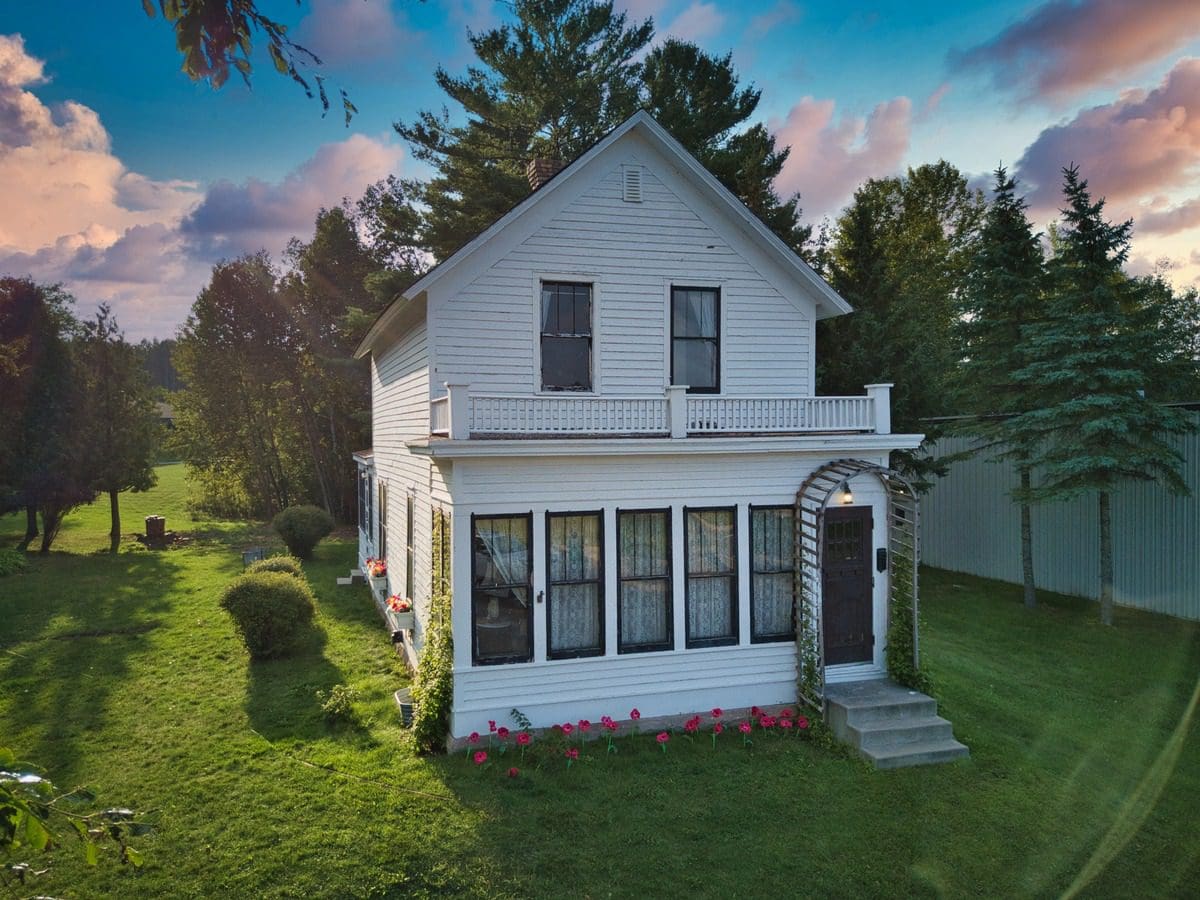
{"x":126,"y":180}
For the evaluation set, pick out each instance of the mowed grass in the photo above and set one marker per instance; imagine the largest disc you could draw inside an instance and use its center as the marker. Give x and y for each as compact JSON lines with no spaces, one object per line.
{"x":121,"y":672}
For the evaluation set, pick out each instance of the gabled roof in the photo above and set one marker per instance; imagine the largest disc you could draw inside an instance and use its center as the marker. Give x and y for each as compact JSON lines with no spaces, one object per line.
{"x":827,"y":297}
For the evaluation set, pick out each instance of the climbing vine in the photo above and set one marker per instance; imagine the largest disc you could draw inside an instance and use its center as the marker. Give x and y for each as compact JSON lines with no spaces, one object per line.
{"x":433,"y":687}
{"x":901,"y":653}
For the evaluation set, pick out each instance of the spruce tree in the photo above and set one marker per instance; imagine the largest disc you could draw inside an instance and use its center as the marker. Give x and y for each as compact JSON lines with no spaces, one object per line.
{"x":1001,"y":298}
{"x":1091,"y":359}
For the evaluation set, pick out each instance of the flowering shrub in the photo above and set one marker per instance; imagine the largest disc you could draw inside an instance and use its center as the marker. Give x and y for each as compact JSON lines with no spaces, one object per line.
{"x":399,"y":604}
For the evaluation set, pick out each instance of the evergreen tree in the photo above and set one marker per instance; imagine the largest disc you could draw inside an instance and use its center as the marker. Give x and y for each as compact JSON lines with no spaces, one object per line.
{"x":1002,"y":297}
{"x":120,"y":420}
{"x":1091,"y":358}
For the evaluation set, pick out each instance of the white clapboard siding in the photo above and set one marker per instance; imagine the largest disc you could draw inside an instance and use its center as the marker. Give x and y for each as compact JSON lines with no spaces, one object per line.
{"x":486,"y":332}
{"x":400,"y":413}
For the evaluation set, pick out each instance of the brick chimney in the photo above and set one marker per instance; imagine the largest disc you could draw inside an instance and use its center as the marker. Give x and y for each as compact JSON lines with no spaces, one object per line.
{"x":540,"y":170}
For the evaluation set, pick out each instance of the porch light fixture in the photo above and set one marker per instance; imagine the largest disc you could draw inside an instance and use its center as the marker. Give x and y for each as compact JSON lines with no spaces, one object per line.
{"x":847,"y":496}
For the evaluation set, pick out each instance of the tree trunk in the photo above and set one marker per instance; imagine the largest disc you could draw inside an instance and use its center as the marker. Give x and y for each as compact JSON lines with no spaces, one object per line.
{"x":51,"y":520}
{"x":31,"y":528}
{"x":114,"y":536}
{"x":1027,"y":542}
{"x":1106,"y":560}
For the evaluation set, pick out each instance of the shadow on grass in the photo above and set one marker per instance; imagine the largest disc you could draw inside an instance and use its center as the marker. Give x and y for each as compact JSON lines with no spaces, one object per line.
{"x":71,"y":626}
{"x":281,"y":694}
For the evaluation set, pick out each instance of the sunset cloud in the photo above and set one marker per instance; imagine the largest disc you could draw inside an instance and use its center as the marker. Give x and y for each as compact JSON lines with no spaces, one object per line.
{"x":1142,"y":144}
{"x":830,"y":158}
{"x":1066,"y":47}
{"x":1172,"y":220}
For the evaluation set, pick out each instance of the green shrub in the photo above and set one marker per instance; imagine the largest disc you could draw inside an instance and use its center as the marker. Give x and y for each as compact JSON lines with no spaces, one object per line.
{"x":270,"y":609}
{"x":288,"y":565}
{"x":301,"y":527}
{"x":433,"y":688}
{"x":11,"y":561}
{"x":338,"y":703}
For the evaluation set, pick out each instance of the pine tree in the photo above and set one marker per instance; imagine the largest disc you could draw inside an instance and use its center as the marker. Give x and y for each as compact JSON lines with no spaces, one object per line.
{"x":1002,"y":297}
{"x":1090,"y":360}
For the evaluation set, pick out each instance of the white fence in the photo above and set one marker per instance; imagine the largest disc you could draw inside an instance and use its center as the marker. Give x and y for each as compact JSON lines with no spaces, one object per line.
{"x":496,"y":414}
{"x":766,"y":415}
{"x":970,"y":524}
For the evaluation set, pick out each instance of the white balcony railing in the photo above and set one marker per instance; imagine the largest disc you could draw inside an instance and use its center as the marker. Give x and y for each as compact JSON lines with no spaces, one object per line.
{"x":779,"y":415}
{"x":463,"y":414}
{"x":498,"y":414}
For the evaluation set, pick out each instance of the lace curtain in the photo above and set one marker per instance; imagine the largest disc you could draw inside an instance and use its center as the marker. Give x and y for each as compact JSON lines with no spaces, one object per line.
{"x":771,"y":585}
{"x":645,"y":579}
{"x":575,"y":584}
{"x":712,"y":571}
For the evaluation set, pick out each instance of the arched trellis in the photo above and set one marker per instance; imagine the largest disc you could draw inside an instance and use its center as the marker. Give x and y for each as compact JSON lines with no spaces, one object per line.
{"x":903,"y":541}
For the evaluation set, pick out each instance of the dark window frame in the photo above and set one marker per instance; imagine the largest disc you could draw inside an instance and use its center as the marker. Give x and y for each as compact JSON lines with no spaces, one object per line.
{"x":381,"y":521}
{"x":715,"y":389}
{"x":591,"y":337}
{"x":505,"y":660}
{"x":669,"y":578}
{"x":599,"y":581}
{"x":734,"y":598}
{"x":755,"y":638}
{"x":410,"y":546}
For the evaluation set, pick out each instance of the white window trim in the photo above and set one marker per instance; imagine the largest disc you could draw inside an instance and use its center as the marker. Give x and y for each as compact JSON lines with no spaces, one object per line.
{"x":723,"y":290}
{"x":536,"y":291}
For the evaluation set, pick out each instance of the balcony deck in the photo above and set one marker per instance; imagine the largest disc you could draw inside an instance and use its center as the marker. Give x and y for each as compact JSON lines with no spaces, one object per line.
{"x":463,"y":414}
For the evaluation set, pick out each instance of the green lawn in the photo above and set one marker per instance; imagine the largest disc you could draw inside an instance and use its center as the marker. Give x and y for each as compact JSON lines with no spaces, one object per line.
{"x":120,"y":672}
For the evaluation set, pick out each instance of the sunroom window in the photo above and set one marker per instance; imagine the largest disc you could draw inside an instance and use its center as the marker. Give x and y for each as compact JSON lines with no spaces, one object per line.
{"x":696,"y":339}
{"x":566,"y":340}
{"x":501,"y":614}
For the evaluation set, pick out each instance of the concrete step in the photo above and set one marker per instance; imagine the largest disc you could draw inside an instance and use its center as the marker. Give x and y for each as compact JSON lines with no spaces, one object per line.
{"x":355,"y":577}
{"x":922,"y":754}
{"x":903,"y":733}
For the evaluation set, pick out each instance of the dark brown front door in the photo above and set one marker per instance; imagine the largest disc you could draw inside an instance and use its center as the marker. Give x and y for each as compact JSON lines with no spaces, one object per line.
{"x":847,"y":583}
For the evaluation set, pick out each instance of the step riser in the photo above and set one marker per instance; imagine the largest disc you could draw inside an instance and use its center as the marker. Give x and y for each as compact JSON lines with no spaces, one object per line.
{"x":896,"y":712}
{"x":920,"y":759}
{"x":893,"y":739}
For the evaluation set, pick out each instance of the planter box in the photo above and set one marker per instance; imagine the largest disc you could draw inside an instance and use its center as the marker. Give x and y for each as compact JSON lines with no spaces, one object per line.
{"x":379,"y":585}
{"x":401,"y":621}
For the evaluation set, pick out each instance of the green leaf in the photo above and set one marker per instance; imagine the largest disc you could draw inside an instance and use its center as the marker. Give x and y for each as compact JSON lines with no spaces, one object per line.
{"x":133,"y":857}
{"x":148,"y":6}
{"x":36,"y":834}
{"x":91,"y":854}
{"x":281,"y":65}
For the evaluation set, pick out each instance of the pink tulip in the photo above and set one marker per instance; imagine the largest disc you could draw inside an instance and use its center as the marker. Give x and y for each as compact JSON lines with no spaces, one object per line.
{"x":767,"y":721}
{"x":473,"y":737}
{"x":514,"y":772}
{"x":663,"y":737}
{"x":568,"y":728}
{"x":716,"y":713}
{"x":524,"y":738}
{"x":480,"y":757}
{"x":491,"y":725}
{"x":785,"y":723}
{"x":502,"y":732}
{"x":634,"y":714}
{"x":802,"y":723}
{"x":572,"y":753}
{"x":718,"y":728}
{"x":786,"y":714}
{"x":585,"y":725}
{"x":744,"y":728}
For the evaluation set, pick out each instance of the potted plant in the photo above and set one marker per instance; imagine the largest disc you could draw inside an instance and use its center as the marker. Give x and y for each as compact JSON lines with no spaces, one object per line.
{"x":400,"y":612}
{"x":377,"y":573}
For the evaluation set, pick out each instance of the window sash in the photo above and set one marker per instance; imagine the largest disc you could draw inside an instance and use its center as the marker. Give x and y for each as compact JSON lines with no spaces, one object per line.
{"x":574,"y":584}
{"x":566,"y":336}
{"x":501,"y":588}
{"x":711,"y":590}
{"x":409,"y":548}
{"x":381,"y":525}
{"x":696,"y":338}
{"x":644,"y":585}
{"x":772,"y":573}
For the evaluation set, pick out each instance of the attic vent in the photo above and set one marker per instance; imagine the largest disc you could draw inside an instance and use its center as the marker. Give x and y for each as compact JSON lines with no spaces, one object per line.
{"x":632,"y":181}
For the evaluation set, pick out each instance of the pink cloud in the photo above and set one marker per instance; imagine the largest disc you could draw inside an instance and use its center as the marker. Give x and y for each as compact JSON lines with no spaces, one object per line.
{"x":354,"y":33}
{"x":784,"y":12}
{"x":1141,"y":144}
{"x":1066,"y":47}
{"x":829,"y":158}
{"x":1174,"y":219}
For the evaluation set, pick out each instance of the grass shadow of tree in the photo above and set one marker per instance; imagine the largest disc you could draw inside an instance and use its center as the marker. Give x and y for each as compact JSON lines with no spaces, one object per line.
{"x":72,"y":625}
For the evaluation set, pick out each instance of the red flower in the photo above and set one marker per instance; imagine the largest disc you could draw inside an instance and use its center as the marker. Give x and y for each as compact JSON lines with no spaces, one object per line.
{"x":502,"y":732}
{"x":611,"y":725}
{"x":663,"y":737}
{"x":718,"y":728}
{"x":785,"y":723}
{"x":514,"y":772}
{"x":585,"y":725}
{"x":755,"y":712}
{"x":567,"y":728}
{"x":572,"y":753}
{"x":473,"y":737}
{"x":524,"y":738}
{"x":745,"y":727}
{"x":605,"y":721}
{"x":480,"y":757}
{"x":767,"y":721}
{"x":691,"y":725}
{"x":491,"y":724}
{"x":716,"y":713}
{"x":634,"y":714}
{"x":787,"y":714}
{"x":802,"y":723}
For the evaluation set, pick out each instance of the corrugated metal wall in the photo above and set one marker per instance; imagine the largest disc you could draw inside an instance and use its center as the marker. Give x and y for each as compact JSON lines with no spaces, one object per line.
{"x":970,"y":524}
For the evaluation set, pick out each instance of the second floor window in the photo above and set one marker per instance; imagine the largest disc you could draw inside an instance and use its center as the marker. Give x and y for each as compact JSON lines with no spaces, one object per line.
{"x":566,"y":336}
{"x":696,"y":339}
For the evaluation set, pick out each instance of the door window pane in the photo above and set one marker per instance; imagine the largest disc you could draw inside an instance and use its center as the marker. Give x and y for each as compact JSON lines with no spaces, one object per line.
{"x":772,"y":585}
{"x":644,"y":582}
{"x":711,"y":577}
{"x":500,"y":608}
{"x":575,"y":597}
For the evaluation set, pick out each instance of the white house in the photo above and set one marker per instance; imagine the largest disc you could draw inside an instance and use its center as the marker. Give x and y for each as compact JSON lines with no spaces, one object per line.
{"x":610,"y":395}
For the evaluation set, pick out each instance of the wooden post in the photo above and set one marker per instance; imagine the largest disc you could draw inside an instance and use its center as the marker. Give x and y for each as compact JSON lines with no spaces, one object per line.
{"x":459,"y":409}
{"x":677,"y":410}
{"x":881,"y":395}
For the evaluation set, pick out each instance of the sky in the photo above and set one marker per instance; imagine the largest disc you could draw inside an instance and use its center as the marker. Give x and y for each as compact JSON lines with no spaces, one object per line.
{"x":125,"y":181}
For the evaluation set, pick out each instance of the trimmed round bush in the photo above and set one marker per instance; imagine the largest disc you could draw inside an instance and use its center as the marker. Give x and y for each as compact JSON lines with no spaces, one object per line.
{"x":270,"y":609}
{"x":301,"y":527}
{"x":288,"y":565}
